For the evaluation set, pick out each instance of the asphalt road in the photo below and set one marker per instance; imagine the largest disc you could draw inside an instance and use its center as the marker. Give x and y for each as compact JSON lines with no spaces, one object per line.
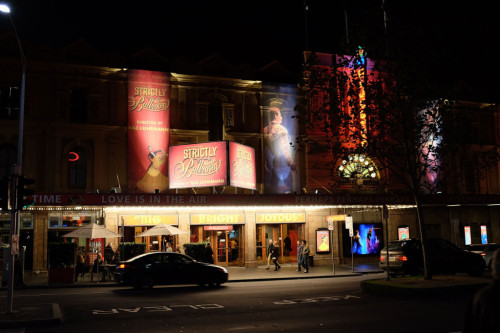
{"x":319,"y":305}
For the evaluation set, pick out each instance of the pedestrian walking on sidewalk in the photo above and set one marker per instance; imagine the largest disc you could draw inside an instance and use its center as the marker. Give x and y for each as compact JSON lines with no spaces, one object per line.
{"x":299,"y":255}
{"x":275,"y":255}
{"x":269,"y":252}
{"x":305,"y":256}
{"x":482,"y":312}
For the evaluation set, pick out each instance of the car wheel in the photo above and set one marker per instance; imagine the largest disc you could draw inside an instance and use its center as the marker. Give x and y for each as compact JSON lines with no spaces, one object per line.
{"x":145,"y":282}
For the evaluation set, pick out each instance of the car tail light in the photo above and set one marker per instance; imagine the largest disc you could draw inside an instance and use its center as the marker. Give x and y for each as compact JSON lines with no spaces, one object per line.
{"x":122,"y":266}
{"x":382,"y":258}
{"x":483,"y":253}
{"x":402,"y":258}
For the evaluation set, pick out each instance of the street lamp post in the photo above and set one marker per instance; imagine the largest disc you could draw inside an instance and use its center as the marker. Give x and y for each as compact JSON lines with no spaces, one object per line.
{"x":16,"y":172}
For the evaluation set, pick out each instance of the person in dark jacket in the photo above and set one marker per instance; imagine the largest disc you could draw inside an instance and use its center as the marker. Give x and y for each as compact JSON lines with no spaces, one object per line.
{"x":209,"y":253}
{"x":299,"y":255}
{"x":305,"y":256}
{"x":275,"y":254}
{"x":269,"y":252}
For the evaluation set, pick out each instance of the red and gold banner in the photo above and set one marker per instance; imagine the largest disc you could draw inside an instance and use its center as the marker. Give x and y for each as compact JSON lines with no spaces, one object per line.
{"x":148,"y":130}
{"x":242,"y":166}
{"x":198,"y":165}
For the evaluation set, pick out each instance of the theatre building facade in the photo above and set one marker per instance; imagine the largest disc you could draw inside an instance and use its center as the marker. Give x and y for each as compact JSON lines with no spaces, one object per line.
{"x":212,"y":155}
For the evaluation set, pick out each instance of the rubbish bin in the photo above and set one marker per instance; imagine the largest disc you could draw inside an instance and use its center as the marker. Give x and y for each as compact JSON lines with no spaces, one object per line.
{"x":311,"y":261}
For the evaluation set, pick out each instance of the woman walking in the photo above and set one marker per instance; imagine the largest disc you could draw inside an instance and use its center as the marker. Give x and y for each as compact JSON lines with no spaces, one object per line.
{"x":275,"y":255}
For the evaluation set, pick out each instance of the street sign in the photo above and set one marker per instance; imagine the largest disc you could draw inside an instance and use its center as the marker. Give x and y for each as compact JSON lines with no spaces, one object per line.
{"x":330,"y":223}
{"x":14,"y":250}
{"x":348,"y":225}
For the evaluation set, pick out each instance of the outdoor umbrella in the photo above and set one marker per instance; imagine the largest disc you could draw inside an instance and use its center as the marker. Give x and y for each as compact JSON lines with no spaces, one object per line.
{"x":92,"y":231}
{"x":162,"y":230}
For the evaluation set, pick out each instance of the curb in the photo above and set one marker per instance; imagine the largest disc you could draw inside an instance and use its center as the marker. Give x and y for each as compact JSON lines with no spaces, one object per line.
{"x":18,"y":317}
{"x":242,"y":279}
{"x":375,"y":287}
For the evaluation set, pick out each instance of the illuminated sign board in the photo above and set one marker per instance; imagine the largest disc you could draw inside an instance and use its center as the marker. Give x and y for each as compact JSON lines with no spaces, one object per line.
{"x":467,"y":235}
{"x":322,"y":241}
{"x":218,"y":227}
{"x":403,"y":233}
{"x":197,"y":219}
{"x":139,"y":220}
{"x":198,"y":165}
{"x":484,"y":235}
{"x":280,"y":217}
{"x":335,"y":218}
{"x":242,"y":166}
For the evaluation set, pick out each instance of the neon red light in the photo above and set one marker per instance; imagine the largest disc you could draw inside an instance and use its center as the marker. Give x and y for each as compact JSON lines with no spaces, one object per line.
{"x":75,"y":156}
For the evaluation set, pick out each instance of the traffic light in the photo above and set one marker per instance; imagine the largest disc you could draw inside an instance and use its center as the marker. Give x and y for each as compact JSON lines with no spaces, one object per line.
{"x":4,"y":194}
{"x":24,"y":193}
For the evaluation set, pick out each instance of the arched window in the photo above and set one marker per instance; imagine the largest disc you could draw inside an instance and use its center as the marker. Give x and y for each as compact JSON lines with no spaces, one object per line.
{"x":8,"y":157}
{"x":78,"y":105}
{"x":77,"y":168}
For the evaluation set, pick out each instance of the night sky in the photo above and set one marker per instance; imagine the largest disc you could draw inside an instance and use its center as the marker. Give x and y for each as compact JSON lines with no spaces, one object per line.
{"x":458,"y":38}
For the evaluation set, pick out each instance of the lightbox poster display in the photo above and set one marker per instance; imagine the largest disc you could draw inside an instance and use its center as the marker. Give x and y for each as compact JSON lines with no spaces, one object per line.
{"x":467,"y":235}
{"x":367,"y":239}
{"x":148,"y":130}
{"x":242,"y":166}
{"x":403,"y":233}
{"x":322,"y":241}
{"x":484,"y":235}
{"x":198,"y":165}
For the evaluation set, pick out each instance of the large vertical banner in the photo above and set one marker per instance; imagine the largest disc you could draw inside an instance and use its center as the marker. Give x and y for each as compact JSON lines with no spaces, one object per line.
{"x":148,"y":130}
{"x":281,"y":172}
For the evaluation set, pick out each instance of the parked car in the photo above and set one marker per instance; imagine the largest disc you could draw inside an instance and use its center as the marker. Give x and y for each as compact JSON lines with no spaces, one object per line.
{"x":405,"y":257}
{"x":149,"y":269}
{"x":476,"y":248}
{"x":485,"y":250}
{"x":488,"y":254}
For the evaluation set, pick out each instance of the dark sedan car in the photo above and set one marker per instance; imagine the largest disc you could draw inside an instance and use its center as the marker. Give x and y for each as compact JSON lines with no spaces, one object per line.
{"x":485,"y":250}
{"x":147,"y":270}
{"x":405,"y":257}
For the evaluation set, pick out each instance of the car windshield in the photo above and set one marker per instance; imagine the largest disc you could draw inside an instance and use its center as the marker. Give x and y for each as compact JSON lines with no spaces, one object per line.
{"x":397,"y":246}
{"x":475,"y":247}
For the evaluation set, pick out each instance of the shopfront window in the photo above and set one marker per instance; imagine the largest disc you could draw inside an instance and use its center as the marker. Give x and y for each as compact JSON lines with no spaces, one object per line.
{"x":25,"y":236}
{"x":226,"y":241}
{"x":286,"y":234}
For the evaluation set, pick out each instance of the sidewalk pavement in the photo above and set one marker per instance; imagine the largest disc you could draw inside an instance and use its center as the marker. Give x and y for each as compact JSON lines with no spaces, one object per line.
{"x":49,"y":313}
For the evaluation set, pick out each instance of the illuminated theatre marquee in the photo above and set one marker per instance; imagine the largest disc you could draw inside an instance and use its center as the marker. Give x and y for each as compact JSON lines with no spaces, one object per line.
{"x":237,"y":218}
{"x":212,"y":164}
{"x":280,"y":217}
{"x":242,"y":166}
{"x":198,"y":165}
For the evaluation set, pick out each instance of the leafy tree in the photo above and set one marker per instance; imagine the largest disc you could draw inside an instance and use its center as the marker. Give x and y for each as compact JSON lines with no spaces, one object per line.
{"x":370,"y":130}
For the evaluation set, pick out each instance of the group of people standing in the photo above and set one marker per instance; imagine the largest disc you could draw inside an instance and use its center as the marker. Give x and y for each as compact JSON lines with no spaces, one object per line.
{"x":273,"y":253}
